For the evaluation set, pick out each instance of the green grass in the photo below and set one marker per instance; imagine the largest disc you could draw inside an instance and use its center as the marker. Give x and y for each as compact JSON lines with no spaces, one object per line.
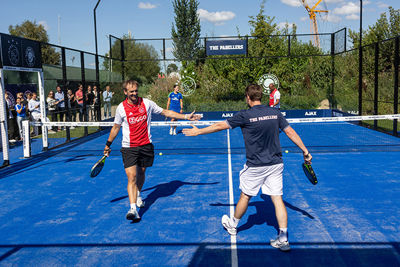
{"x":74,"y":133}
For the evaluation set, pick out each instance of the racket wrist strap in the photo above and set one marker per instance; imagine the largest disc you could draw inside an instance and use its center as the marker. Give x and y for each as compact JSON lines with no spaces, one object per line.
{"x":108,"y":143}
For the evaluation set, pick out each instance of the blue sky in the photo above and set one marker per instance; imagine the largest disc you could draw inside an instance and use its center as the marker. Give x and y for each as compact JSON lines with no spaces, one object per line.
{"x":154,"y":18}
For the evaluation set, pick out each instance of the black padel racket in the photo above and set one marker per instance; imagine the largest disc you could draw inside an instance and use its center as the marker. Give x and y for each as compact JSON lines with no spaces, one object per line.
{"x":96,"y":169}
{"x":309,"y":172}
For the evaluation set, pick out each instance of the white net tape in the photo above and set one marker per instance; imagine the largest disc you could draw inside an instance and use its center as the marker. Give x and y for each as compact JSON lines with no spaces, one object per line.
{"x":205,"y":123}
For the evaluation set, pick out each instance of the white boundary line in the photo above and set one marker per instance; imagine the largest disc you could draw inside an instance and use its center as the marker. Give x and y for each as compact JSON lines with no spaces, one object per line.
{"x":234,"y":257}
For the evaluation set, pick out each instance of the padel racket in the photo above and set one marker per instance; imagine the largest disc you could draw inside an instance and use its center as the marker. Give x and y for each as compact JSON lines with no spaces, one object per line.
{"x":309,"y":172}
{"x":97,"y":167}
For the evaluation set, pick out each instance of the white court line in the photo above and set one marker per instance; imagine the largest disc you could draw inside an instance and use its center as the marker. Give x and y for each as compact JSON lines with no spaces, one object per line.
{"x":234,"y":258}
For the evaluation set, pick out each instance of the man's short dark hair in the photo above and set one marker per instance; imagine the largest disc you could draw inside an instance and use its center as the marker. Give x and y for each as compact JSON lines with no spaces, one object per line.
{"x":131,"y":82}
{"x":254,"y":91}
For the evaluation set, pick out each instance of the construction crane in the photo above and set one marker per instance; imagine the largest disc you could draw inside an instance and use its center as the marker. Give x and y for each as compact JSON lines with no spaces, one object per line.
{"x":312,"y":14}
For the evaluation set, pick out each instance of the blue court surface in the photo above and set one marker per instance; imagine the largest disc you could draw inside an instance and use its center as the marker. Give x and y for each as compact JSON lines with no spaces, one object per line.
{"x":53,"y":214}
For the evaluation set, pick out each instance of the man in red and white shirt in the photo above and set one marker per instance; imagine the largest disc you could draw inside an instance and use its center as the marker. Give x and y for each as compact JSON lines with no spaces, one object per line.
{"x":134,"y":115}
{"x":274,"y":97}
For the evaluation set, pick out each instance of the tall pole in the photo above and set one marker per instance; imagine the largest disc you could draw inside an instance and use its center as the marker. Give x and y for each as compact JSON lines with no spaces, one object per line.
{"x":360,"y":68}
{"x":95,"y":27}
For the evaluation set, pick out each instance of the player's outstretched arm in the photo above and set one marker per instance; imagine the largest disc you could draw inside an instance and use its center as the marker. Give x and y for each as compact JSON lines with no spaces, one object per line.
{"x":172,"y":114}
{"x":216,"y":127}
{"x":113,"y":133}
{"x":291,"y":133}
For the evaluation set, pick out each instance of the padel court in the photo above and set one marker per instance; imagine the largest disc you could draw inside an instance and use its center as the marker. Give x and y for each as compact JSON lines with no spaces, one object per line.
{"x":54,"y":214}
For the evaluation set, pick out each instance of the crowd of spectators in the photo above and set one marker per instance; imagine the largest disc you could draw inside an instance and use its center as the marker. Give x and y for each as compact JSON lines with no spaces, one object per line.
{"x":59,"y":107}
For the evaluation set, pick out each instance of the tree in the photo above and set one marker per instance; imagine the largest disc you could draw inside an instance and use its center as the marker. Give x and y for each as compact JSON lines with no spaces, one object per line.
{"x":37,"y":32}
{"x":172,"y":68}
{"x":140,"y":60}
{"x":186,"y":35}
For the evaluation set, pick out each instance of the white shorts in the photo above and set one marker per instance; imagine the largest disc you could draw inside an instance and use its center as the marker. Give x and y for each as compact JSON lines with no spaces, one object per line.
{"x":269,"y":178}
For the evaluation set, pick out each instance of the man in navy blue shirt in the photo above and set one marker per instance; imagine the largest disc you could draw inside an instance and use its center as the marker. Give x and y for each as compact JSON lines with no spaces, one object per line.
{"x":264,"y":166}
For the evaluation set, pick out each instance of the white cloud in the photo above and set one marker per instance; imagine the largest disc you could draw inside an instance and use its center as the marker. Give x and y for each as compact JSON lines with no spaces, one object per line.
{"x":295,"y":3}
{"x":347,"y":9}
{"x":382,"y":5}
{"x":217,"y":18}
{"x":304,"y":18}
{"x":353,"y":17}
{"x":332,"y":18}
{"x":44,"y":24}
{"x":333,"y":1}
{"x":282,"y":25}
{"x":142,"y":5}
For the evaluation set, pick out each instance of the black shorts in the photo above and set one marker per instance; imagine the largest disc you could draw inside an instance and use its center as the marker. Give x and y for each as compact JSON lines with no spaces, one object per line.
{"x":143,"y":156}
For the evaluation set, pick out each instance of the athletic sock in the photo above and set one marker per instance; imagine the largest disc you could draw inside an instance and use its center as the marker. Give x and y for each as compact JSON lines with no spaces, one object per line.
{"x":235,"y":221}
{"x":133,"y":206}
{"x":283,"y":236}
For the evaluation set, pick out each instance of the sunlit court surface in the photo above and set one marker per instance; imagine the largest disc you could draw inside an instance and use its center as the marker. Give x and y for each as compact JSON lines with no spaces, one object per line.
{"x":54,"y":214}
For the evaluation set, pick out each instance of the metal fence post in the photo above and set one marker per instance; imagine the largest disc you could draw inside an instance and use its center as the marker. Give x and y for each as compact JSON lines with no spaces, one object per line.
{"x":396,"y":84}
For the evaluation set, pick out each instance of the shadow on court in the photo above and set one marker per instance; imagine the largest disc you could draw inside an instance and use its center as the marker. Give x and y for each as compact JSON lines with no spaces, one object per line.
{"x":302,"y":254}
{"x":160,"y":191}
{"x":213,"y":254}
{"x":265,"y":213}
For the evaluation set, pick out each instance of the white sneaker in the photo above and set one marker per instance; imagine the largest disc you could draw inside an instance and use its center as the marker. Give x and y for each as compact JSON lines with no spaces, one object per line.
{"x":282,"y":245}
{"x":139,"y":202}
{"x":174,"y":131}
{"x":170,"y":131}
{"x":133,"y":215}
{"x":227,"y":224}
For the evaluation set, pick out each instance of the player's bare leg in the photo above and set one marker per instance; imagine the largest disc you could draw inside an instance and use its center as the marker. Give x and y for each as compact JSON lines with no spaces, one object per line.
{"x":140,"y":179}
{"x":230,"y":224}
{"x":281,"y":241}
{"x":132,"y":189}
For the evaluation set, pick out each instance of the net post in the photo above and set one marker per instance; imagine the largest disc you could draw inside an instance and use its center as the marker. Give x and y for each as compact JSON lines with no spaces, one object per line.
{"x":396,"y":84}
{"x":3,"y":121}
{"x":27,"y":139}
{"x":43,"y":115}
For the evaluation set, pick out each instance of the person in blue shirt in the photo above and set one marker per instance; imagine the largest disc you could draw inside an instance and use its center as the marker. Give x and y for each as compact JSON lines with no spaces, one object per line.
{"x":175,"y":103}
{"x":264,"y":166}
{"x":60,"y":108}
{"x":21,"y":114}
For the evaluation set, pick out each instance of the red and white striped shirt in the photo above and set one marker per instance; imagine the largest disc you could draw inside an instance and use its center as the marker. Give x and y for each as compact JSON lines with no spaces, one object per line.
{"x":135,"y":121}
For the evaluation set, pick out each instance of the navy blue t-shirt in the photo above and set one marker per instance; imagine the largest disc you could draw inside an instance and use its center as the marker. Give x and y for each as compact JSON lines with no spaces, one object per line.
{"x":260,"y":128}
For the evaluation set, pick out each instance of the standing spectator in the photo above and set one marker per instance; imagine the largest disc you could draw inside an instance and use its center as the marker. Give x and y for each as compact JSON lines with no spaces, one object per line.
{"x":11,"y":121}
{"x":274,"y":97}
{"x":28,"y":96}
{"x":21,"y":115}
{"x":34,"y":108}
{"x":60,"y":109}
{"x":52,"y":106}
{"x":107,"y":97}
{"x":79,"y":101}
{"x":175,"y":103}
{"x":72,"y":105}
{"x":96,"y":104}
{"x":89,"y":103}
